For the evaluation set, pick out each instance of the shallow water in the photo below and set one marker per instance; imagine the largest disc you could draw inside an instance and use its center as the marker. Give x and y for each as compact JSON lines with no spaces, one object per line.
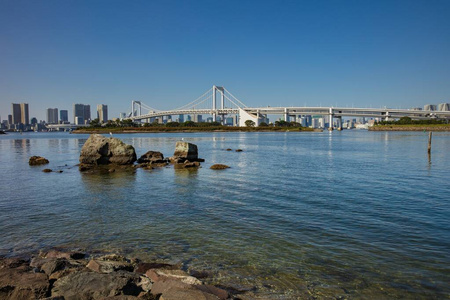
{"x":351,"y":214}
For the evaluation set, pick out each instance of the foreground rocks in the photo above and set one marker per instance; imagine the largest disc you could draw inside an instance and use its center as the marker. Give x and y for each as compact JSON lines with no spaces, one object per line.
{"x":69,"y":275}
{"x":37,"y":160}
{"x":99,"y":150}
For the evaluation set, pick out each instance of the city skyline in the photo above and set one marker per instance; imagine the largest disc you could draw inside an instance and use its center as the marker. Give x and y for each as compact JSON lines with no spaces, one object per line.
{"x":323,"y":53}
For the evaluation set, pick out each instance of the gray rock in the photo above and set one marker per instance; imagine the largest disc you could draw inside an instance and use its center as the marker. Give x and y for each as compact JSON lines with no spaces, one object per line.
{"x":100,"y":150}
{"x":185,"y":151}
{"x":91,"y":285}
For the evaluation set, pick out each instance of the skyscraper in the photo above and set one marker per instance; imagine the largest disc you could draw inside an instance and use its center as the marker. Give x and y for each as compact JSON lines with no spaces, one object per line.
{"x":63,"y":115}
{"x":20,"y":113}
{"x":52,"y":115}
{"x":102,"y":113}
{"x":25,"y":118}
{"x":16,"y":113}
{"x":81,"y":114}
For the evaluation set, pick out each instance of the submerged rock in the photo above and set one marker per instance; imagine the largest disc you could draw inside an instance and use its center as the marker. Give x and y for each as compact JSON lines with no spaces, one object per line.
{"x":219,"y":167}
{"x":47,"y":170}
{"x":37,"y":160}
{"x":99,"y":150}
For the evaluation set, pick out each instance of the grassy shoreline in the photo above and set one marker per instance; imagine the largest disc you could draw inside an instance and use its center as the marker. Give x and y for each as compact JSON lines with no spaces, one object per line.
{"x":411,"y":127}
{"x":190,"y":129}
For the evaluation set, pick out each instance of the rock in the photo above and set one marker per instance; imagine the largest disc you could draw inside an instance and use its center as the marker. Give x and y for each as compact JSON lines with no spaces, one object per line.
{"x":54,"y":265}
{"x":61,"y":254}
{"x":218,"y":292}
{"x":99,"y":150}
{"x":219,"y":167}
{"x":151,"y":157}
{"x":104,"y":266}
{"x":175,"y":290}
{"x":185,"y":151}
{"x":229,"y":149}
{"x":92,"y":285}
{"x":22,"y":283}
{"x":59,"y":171}
{"x":239,"y":150}
{"x":37,"y":160}
{"x":144,"y":267}
{"x":84,"y":167}
{"x":157,"y":275}
{"x":12,"y":262}
{"x":47,"y":170}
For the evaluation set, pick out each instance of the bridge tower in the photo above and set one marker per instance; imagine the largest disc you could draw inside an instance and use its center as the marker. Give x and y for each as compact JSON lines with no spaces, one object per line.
{"x":222,"y":101}
{"x":135,"y":105}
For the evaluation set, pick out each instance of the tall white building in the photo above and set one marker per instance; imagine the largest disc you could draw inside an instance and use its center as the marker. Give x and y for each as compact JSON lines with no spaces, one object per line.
{"x":102,"y":113}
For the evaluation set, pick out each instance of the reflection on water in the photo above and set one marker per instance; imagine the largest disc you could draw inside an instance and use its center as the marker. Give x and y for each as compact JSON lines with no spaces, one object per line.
{"x":349,"y":214}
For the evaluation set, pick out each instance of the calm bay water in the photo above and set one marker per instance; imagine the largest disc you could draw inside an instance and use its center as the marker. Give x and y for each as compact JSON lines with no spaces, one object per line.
{"x":350,"y":214}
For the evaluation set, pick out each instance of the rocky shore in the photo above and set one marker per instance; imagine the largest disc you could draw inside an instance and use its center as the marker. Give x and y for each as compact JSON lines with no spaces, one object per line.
{"x":60,"y":275}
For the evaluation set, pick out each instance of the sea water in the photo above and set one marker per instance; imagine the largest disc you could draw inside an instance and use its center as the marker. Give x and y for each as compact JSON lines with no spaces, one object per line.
{"x":351,"y":214}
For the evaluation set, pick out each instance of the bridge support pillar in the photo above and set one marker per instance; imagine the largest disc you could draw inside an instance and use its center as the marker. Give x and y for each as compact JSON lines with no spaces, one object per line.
{"x":286,"y":115}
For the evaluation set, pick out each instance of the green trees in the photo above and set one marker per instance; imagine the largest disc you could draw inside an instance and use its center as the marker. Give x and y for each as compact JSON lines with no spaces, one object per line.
{"x":249,"y":123}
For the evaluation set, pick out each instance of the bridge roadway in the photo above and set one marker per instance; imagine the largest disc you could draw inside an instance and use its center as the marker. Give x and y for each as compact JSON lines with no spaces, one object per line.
{"x":384,"y":113}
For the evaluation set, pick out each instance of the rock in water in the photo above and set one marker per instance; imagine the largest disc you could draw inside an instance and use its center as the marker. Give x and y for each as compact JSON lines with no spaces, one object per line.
{"x":151,"y":157}
{"x":186,"y":151}
{"x":219,"y":167}
{"x":99,"y":150}
{"x":37,"y":160}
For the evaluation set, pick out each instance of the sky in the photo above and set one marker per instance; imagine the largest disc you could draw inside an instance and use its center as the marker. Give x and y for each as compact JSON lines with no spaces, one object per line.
{"x":54,"y":53}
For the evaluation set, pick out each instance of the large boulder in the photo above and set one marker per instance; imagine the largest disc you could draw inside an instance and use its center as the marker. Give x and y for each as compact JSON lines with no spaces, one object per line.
{"x":185,"y":151}
{"x":20,"y":282}
{"x":99,"y":150}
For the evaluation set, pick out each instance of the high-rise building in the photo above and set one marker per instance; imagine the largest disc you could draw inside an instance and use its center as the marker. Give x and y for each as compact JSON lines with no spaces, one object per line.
{"x":81,"y":114}
{"x":63,"y":115}
{"x":16,"y":114}
{"x":20,"y":113}
{"x":52,"y":116}
{"x":25,"y":118}
{"x":102,"y":113}
{"x":444,"y":107}
{"x":87,"y":114}
{"x":10,"y":119}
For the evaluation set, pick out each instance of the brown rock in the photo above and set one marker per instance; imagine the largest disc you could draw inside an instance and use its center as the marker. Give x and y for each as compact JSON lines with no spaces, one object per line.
{"x":54,"y":265}
{"x":62,"y":254}
{"x":104,"y":266}
{"x":151,"y":157}
{"x":219,"y":167}
{"x":47,"y":170}
{"x":175,"y":290}
{"x":144,"y":267}
{"x":219,"y":293}
{"x":22,"y":283}
{"x":37,"y":160}
{"x":239,"y":150}
{"x":92,"y":285}
{"x":229,"y":149}
{"x":99,"y":150}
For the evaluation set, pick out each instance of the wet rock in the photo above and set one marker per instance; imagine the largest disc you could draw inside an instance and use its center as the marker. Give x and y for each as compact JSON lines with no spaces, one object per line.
{"x":59,"y":171}
{"x":37,"y":160}
{"x":104,"y":266}
{"x":157,"y":275}
{"x":12,"y":262}
{"x":218,"y":292}
{"x":152,"y":157}
{"x":200,"y":274}
{"x":239,"y":150}
{"x":92,"y":285}
{"x":219,"y":167}
{"x":144,"y":267}
{"x":99,"y":150}
{"x":54,"y":265}
{"x":22,"y":283}
{"x":229,"y":149}
{"x":47,"y":170}
{"x":61,"y":254}
{"x":85,"y":167}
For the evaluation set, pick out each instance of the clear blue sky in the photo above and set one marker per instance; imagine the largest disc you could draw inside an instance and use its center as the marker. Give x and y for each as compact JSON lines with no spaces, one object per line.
{"x":167,"y":53}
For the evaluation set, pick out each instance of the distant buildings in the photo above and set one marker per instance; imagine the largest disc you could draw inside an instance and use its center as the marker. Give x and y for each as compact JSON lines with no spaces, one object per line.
{"x":102,"y":113}
{"x":81,"y":114}
{"x":52,"y":116}
{"x":63,"y":116}
{"x":20,"y":116}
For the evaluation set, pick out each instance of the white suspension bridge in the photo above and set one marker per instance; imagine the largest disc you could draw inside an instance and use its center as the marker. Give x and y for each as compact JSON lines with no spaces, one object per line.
{"x":218,"y":101}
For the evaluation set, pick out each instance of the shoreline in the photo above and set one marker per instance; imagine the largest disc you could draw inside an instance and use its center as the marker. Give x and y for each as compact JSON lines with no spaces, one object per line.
{"x":68,"y":274}
{"x":184,"y":130}
{"x":440,"y":127}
